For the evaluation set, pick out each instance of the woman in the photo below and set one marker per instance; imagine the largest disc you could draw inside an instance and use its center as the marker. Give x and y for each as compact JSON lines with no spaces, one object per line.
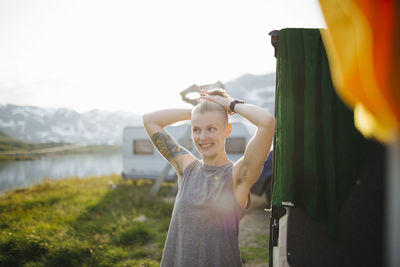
{"x":213,"y":193}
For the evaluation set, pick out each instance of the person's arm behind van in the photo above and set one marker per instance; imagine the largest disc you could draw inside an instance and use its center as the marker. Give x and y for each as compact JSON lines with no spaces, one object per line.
{"x":154,"y":123}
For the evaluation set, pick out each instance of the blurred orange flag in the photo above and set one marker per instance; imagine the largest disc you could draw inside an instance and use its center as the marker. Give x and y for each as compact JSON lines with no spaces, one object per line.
{"x":363,"y":46}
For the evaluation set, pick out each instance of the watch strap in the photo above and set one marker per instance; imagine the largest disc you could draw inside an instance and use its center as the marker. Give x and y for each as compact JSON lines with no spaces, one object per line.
{"x":233,"y":103}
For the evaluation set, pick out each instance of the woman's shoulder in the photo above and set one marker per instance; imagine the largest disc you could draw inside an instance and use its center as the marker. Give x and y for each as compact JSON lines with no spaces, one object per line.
{"x":190,"y":165}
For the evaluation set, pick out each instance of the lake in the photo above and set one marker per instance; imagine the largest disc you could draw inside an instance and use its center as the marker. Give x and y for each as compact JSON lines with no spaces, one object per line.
{"x":24,"y":173}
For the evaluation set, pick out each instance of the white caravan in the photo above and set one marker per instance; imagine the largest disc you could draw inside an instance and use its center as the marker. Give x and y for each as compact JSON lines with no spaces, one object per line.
{"x":142,"y":161}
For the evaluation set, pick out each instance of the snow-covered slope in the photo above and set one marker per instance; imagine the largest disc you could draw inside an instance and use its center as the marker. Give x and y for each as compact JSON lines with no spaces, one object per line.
{"x":39,"y":125}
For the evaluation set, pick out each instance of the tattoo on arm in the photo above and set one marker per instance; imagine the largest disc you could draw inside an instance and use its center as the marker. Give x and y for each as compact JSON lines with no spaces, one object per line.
{"x":167,"y":146}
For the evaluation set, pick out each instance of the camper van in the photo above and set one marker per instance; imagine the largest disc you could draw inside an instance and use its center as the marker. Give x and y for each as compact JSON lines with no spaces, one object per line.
{"x":141,"y":160}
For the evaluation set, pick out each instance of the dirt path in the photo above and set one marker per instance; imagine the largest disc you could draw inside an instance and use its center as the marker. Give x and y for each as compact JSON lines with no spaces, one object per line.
{"x":254,"y":234}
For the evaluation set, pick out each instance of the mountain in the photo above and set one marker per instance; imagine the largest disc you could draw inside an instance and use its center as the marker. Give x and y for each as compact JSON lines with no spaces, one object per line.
{"x":40,"y":125}
{"x":255,"y":89}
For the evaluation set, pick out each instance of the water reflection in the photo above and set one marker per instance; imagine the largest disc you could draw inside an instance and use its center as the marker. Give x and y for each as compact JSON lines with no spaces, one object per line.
{"x":25,"y":173}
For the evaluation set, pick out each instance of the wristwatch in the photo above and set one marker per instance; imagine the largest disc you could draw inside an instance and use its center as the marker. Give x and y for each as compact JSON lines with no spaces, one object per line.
{"x":233,"y":103}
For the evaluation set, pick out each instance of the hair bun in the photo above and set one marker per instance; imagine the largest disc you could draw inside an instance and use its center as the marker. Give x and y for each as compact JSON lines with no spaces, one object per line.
{"x":223,"y":93}
{"x":219,"y":92}
{"x":208,"y":105}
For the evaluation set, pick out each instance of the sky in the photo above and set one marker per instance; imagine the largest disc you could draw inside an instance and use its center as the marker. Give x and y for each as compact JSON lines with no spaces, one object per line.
{"x":135,"y":56}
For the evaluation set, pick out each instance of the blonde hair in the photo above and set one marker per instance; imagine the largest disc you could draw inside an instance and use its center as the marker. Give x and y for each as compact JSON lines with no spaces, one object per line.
{"x":207,"y":105}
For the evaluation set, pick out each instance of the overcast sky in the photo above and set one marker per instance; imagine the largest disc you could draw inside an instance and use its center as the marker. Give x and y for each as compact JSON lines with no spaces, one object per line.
{"x":135,"y":55}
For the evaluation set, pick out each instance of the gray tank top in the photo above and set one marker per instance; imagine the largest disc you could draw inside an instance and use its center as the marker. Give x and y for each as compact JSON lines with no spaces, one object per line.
{"x":204,"y":227}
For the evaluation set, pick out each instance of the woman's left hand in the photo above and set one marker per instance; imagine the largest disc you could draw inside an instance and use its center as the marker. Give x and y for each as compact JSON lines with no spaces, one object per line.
{"x":223,"y":101}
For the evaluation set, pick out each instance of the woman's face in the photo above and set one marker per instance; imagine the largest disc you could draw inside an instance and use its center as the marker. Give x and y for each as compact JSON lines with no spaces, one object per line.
{"x":209,"y":131}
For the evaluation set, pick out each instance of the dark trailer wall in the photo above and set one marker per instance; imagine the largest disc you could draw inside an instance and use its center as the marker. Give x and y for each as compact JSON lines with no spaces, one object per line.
{"x":327,"y":177}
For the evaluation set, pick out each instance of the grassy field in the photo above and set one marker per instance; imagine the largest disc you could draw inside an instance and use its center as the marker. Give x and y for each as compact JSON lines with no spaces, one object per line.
{"x":83,"y":222}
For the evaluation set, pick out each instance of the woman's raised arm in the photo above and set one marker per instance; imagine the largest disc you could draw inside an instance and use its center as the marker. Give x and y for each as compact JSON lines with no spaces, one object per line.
{"x":165,"y":117}
{"x":258,"y":148}
{"x":154,"y":124}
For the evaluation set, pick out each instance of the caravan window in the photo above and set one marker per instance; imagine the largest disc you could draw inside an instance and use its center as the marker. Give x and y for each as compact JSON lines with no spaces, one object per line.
{"x":144,"y":146}
{"x":235,"y":145}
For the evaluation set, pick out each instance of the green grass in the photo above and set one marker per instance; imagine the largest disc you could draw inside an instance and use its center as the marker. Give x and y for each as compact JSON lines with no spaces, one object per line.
{"x":258,"y":251}
{"x":83,"y":222}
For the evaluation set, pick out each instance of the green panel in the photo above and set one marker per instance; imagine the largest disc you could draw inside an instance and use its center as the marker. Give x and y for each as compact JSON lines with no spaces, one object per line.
{"x":318,"y":151}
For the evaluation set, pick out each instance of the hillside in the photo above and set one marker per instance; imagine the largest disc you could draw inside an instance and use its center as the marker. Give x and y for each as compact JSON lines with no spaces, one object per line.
{"x":8,"y":143}
{"x":8,"y":140}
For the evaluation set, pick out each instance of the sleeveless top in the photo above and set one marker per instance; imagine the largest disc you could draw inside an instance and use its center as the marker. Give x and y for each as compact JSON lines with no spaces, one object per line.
{"x":204,"y":227}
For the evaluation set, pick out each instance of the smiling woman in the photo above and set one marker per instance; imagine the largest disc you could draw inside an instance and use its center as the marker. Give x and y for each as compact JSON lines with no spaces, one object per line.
{"x":214,"y":193}
{"x":210,"y":128}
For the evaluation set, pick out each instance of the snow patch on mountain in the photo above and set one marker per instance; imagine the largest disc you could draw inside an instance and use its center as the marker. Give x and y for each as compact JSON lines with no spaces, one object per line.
{"x":40,"y":125}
